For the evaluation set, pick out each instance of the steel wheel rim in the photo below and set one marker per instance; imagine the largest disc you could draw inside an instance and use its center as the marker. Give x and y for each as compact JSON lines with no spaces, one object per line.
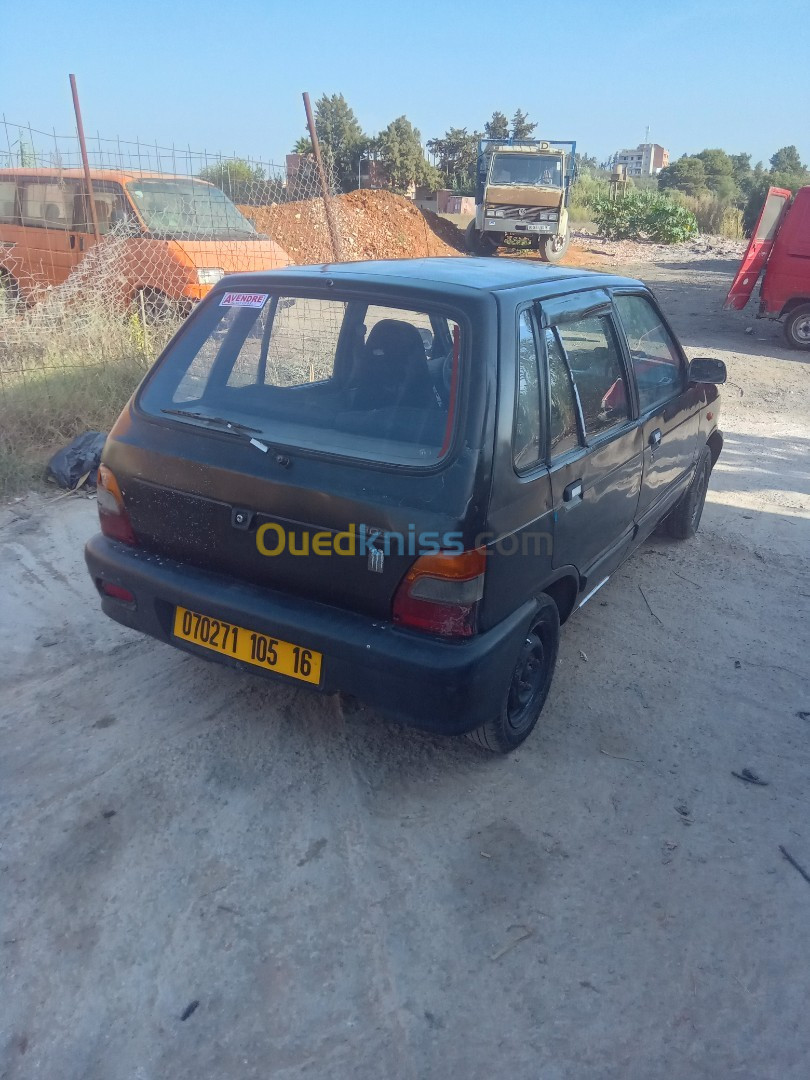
{"x":801,"y":330}
{"x":528,"y":680}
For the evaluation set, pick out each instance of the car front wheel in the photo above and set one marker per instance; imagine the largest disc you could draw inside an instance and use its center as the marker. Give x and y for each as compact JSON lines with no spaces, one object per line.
{"x":528,"y":686}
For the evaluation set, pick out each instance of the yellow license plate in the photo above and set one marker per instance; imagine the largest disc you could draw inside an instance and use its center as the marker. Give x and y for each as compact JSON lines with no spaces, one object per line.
{"x":261,"y":650}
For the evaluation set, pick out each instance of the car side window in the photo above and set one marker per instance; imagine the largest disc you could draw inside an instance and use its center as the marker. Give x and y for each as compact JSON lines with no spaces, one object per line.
{"x":526,"y":441}
{"x":8,"y":201}
{"x":563,"y":430}
{"x":595,"y":363}
{"x":48,"y":204}
{"x":657,"y":363}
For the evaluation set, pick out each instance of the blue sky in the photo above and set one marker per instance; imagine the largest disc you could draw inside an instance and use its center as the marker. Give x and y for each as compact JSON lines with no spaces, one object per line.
{"x":228,"y":76}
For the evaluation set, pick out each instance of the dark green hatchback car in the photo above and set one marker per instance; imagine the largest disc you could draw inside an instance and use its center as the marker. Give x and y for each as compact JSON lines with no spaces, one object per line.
{"x":397,"y":479}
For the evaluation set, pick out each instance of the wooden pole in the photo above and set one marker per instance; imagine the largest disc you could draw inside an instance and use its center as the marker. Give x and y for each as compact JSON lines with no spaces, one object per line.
{"x":85,"y":162}
{"x":331,"y":220}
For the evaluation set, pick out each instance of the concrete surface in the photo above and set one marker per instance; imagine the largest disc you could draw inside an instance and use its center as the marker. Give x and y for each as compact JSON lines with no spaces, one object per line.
{"x":344,"y":898}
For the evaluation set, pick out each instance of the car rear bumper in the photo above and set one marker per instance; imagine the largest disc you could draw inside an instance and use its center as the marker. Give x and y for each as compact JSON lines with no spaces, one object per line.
{"x":444,"y":686}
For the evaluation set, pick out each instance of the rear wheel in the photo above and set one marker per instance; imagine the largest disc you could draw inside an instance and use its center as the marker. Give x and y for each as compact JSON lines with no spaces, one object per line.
{"x":528,"y":687}
{"x":554,"y":248}
{"x":797,"y":327}
{"x":683,"y":521}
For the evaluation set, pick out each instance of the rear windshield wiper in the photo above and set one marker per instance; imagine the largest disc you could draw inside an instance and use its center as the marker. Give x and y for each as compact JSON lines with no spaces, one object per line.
{"x":220,"y":421}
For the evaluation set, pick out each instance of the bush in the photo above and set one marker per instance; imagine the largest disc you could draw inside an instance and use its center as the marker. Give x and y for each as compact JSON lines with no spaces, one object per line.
{"x":715,"y":215}
{"x":583,"y":191}
{"x":642,"y":215}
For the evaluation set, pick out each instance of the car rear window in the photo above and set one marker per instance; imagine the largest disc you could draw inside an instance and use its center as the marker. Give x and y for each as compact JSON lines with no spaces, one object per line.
{"x":349,"y":377}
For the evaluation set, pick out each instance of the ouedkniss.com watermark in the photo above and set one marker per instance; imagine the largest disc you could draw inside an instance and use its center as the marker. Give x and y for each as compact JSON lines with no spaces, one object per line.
{"x":272,"y":540}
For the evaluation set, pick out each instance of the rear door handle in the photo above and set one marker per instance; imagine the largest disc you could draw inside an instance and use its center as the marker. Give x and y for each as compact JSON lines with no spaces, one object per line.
{"x":655,"y":438}
{"x":573,"y":491}
{"x":72,"y":241}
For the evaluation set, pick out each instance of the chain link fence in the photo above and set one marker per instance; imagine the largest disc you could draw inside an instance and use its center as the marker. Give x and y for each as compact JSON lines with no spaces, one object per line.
{"x":96,"y":276}
{"x":91,"y":291}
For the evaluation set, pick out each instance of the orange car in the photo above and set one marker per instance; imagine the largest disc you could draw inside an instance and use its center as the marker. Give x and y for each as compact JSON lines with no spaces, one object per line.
{"x":175,"y":236}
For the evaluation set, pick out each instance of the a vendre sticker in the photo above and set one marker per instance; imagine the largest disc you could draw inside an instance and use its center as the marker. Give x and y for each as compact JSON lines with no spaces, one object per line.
{"x":243,"y":299}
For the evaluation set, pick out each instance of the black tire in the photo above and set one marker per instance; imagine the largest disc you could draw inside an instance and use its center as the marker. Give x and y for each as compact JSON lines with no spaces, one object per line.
{"x":683,"y":520}
{"x":529,"y":686}
{"x":479,"y":243}
{"x":471,"y":237}
{"x":797,"y":327}
{"x":155,"y":306}
{"x":553,"y":249}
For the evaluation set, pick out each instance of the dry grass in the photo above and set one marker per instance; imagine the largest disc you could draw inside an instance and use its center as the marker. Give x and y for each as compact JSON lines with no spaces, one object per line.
{"x":60,"y":377}
{"x":715,"y":216}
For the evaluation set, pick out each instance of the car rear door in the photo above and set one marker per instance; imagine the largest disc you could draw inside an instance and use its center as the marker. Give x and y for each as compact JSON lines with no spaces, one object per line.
{"x":595,"y":442}
{"x":759,"y":248}
{"x":668,"y":405}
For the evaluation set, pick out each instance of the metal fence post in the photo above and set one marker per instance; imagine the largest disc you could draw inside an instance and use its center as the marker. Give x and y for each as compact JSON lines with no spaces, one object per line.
{"x":331,"y":220}
{"x":85,"y":162}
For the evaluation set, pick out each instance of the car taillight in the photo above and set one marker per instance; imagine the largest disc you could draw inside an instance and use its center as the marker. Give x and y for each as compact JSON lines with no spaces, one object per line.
{"x":112,"y":514}
{"x":440,"y":593}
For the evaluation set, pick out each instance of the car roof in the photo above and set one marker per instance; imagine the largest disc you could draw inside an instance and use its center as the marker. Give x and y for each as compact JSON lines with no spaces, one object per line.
{"x":480,"y":274}
{"x":95,"y":174}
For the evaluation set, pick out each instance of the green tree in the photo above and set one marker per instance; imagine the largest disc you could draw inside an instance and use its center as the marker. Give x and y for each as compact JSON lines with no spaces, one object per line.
{"x":719,"y":171}
{"x":239,"y":179}
{"x":787,"y":160}
{"x":303,"y":145}
{"x":740,"y":167}
{"x":342,"y":140}
{"x":28,"y":158}
{"x":497,"y":127}
{"x":400,"y":149}
{"x":457,"y":156}
{"x":585,"y":164}
{"x":791,"y":179}
{"x":687,"y":174}
{"x":521,"y":128}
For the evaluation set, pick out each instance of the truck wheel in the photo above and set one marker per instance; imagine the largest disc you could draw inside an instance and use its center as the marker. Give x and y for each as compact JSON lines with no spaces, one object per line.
{"x":797,"y":327}
{"x":471,"y":237}
{"x":683,"y":520}
{"x":480,"y":243}
{"x":528,"y":687}
{"x":553,"y":248}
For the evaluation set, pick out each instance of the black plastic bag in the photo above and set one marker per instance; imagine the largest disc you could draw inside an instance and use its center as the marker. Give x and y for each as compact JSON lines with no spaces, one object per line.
{"x":78,"y":459}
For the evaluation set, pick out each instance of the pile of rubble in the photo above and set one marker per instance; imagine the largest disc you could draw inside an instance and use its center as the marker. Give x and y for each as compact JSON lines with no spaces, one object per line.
{"x":372,"y":224}
{"x":586,"y":244}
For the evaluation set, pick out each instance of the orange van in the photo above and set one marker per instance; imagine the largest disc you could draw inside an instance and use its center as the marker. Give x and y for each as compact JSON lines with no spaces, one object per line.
{"x":175,"y":236}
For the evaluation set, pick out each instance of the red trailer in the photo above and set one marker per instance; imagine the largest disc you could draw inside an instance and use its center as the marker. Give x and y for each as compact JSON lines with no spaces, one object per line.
{"x":780,"y":244}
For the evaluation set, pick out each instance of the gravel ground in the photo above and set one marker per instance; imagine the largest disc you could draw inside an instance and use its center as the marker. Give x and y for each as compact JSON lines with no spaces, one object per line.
{"x":344,"y":898}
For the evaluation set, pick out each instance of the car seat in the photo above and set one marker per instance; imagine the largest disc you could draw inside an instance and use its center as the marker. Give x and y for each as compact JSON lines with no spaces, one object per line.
{"x":393,"y":369}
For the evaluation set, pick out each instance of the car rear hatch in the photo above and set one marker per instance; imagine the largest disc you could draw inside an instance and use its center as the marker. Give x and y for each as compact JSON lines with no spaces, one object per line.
{"x":340,"y":505}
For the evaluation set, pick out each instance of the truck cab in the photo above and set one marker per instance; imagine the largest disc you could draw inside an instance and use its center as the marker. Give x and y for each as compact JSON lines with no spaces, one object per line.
{"x":522,"y":196}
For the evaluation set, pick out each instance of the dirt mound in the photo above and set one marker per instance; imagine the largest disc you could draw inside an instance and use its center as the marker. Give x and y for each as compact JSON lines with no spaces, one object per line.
{"x":373,"y":225}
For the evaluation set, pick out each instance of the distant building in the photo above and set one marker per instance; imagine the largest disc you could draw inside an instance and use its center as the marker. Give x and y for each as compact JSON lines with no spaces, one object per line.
{"x":648,"y":159}
{"x":372,"y":174}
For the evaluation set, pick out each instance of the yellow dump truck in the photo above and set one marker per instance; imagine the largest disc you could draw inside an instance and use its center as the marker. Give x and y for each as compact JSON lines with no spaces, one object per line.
{"x":521,"y":197}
